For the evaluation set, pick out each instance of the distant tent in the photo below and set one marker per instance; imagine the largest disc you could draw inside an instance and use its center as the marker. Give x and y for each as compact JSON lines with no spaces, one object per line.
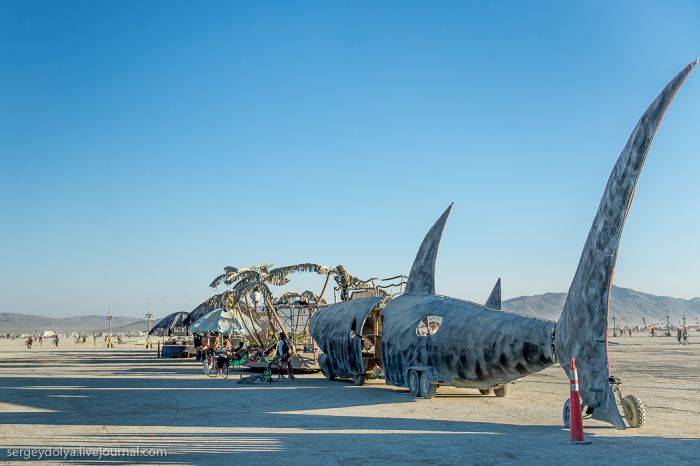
{"x":174,"y":322}
{"x":226,"y":322}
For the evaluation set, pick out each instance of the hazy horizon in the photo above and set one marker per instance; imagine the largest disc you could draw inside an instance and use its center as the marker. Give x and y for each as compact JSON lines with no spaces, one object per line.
{"x":147,"y":146}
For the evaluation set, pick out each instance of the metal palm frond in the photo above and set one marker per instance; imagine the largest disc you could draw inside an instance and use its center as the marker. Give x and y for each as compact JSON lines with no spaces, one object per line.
{"x":278,"y":276}
{"x":243,"y":275}
{"x":231,"y":274}
{"x":217,"y":281}
{"x":242,"y":288}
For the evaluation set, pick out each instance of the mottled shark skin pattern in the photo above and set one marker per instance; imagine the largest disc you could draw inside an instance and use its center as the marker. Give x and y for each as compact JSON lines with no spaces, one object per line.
{"x":337,"y":330}
{"x":480,"y":346}
{"x":421,"y":280}
{"x":474,"y":346}
{"x":582,"y":329}
{"x":494,"y":301}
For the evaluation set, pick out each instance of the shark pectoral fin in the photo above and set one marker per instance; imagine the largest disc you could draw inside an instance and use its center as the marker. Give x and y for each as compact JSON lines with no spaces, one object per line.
{"x":421,"y":280}
{"x":494,"y":301}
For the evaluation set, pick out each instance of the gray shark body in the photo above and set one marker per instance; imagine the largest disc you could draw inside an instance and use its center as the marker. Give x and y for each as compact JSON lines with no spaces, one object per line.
{"x":480,"y":346}
{"x":474,"y":347}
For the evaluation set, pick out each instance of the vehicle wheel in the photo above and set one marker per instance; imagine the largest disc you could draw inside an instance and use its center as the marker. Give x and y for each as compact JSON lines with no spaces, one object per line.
{"x":427,"y":389}
{"x":359,"y":379}
{"x":485,"y":391}
{"x":633,"y":410}
{"x":501,"y":391}
{"x":414,"y":383}
{"x":566,"y":413}
{"x":326,"y":372}
{"x":325,"y":369}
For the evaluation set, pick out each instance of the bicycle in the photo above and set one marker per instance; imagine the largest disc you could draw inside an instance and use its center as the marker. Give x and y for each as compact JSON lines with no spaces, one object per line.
{"x":265,"y":377}
{"x":212,"y":368}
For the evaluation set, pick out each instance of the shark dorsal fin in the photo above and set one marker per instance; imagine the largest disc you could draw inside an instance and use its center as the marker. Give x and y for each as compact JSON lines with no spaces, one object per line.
{"x":494,"y":301}
{"x":421,"y":280}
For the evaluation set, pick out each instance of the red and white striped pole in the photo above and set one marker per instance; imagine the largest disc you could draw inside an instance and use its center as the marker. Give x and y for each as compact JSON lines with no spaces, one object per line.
{"x":575,"y":419}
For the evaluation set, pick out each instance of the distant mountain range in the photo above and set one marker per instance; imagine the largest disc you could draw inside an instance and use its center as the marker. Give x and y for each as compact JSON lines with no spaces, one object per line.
{"x":28,"y":323}
{"x":628,"y":305}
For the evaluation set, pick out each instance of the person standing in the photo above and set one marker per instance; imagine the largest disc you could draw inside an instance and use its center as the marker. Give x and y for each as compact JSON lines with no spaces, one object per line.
{"x":197,"y":340}
{"x":284,"y":356}
{"x":685,"y":336}
{"x":206,"y":348}
{"x":679,"y":336}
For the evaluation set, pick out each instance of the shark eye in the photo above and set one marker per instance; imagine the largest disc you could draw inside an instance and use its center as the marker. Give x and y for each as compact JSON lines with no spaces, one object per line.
{"x":428,"y":325}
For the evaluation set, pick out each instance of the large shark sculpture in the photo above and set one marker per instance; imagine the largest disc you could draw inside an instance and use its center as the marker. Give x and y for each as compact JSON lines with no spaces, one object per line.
{"x":422,"y":340}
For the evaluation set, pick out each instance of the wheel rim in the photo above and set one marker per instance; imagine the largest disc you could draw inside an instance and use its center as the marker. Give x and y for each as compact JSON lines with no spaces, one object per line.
{"x":413,"y":383}
{"x":627,"y":410}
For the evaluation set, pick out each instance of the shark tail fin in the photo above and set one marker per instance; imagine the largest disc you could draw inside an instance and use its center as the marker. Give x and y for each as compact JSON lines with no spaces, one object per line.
{"x":581,"y":332}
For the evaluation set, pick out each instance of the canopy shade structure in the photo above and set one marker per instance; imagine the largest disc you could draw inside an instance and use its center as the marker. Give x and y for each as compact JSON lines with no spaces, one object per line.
{"x":221,"y":321}
{"x":174,"y":321}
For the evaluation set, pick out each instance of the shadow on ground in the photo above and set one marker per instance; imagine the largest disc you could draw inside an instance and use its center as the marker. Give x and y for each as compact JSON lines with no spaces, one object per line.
{"x":198,"y":419}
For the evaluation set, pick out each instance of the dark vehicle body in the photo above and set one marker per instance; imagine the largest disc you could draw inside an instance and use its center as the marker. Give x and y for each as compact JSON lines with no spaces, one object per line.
{"x":422,"y":340}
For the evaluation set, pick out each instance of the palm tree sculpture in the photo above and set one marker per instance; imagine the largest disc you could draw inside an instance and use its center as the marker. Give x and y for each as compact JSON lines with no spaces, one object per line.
{"x":255,"y":281}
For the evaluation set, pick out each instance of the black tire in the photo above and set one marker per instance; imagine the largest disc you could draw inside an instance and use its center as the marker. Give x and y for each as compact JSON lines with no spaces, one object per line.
{"x":427,"y":388}
{"x":326,"y":372}
{"x":414,"y":383}
{"x":566,"y":413}
{"x":325,"y":367}
{"x":359,"y":380}
{"x":634,"y":412}
{"x":485,"y":391}
{"x":501,"y":391}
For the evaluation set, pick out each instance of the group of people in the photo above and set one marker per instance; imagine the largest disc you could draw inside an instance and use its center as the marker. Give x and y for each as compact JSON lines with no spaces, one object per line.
{"x":220,"y":350}
{"x":40,"y":339}
{"x":213,"y":346}
{"x":682,"y":336}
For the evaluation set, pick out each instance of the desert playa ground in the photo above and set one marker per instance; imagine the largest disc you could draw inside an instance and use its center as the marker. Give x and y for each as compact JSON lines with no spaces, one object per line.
{"x":125,"y":398}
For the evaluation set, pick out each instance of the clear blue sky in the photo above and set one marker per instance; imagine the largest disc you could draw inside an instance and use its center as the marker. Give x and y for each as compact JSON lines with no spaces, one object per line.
{"x":145,"y":145}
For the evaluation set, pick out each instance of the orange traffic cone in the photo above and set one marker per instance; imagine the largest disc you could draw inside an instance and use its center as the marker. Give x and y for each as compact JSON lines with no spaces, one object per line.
{"x":575,"y":419}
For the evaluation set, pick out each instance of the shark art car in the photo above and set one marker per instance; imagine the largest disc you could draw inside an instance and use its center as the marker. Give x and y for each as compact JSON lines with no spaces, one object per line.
{"x":421,"y":340}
